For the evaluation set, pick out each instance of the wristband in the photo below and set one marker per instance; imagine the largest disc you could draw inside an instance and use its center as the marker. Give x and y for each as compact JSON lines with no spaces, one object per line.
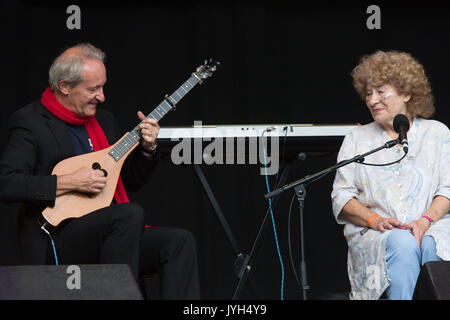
{"x":429,"y":219}
{"x":151,"y":151}
{"x":370,"y":220}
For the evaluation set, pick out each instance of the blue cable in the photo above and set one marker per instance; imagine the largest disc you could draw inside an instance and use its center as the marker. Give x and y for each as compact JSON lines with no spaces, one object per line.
{"x":54,"y":251}
{"x":53,"y":245}
{"x":273,"y":224}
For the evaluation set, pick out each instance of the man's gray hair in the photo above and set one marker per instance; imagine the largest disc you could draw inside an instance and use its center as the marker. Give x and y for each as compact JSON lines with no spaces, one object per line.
{"x":69,"y":67}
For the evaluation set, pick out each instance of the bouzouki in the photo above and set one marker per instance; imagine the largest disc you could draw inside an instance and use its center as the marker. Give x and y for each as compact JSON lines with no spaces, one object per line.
{"x":110,"y":161}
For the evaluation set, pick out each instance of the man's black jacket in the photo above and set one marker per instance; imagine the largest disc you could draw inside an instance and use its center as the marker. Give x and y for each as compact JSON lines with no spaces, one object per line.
{"x":37,"y":141}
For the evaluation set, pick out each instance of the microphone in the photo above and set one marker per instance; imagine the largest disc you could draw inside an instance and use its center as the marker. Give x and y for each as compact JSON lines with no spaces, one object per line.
{"x":401,"y":126}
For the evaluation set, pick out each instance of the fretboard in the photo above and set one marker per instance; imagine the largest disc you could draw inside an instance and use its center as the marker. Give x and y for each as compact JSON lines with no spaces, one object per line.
{"x":133,"y":137}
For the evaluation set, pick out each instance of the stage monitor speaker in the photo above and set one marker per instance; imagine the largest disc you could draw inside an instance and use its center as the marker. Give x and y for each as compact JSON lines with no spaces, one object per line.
{"x":434,"y":281}
{"x":68,"y":282}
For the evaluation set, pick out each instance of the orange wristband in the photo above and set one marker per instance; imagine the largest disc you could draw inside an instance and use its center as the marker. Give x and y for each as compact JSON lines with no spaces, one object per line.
{"x":372,"y":218}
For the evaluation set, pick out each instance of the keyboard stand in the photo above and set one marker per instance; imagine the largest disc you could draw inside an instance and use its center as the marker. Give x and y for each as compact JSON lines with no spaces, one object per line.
{"x":241,"y":259}
{"x":243,"y":262}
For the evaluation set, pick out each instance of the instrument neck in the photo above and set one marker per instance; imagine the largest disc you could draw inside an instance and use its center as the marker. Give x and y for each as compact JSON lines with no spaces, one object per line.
{"x":168,"y":104}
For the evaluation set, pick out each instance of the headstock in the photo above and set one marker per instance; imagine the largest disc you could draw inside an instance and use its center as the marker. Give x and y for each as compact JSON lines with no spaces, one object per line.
{"x":206,"y":70}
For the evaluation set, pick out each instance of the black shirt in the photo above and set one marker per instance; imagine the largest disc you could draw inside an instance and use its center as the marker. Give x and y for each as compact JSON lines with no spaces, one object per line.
{"x":80,"y":139}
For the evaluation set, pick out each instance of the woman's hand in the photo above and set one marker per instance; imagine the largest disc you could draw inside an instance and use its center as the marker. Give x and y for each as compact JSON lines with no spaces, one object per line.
{"x":418,"y":228}
{"x":381,"y":224}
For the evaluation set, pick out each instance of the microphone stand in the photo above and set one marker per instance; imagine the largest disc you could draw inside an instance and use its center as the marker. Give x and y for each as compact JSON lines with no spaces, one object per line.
{"x":300,"y":192}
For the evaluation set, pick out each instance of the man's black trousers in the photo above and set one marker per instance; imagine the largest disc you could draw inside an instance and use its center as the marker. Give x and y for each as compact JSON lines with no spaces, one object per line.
{"x":117,"y":235}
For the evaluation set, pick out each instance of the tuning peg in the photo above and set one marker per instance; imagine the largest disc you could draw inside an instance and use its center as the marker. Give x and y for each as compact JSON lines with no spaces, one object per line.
{"x":211,"y":62}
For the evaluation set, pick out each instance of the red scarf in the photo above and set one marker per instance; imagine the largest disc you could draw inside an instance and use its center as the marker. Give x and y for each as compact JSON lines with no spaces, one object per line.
{"x":93,"y":128}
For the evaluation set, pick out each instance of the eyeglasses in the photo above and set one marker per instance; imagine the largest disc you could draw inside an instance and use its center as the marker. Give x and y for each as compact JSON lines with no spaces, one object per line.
{"x":384,"y":95}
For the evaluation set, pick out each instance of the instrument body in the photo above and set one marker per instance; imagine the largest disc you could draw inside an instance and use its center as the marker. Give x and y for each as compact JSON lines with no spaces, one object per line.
{"x":110,"y":161}
{"x":74,"y":204}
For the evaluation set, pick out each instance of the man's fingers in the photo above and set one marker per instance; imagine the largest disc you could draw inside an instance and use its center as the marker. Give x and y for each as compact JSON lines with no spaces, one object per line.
{"x":148,"y":132}
{"x":141,"y":115}
{"x":99,"y":176}
{"x":149,"y":124}
{"x":146,"y":120}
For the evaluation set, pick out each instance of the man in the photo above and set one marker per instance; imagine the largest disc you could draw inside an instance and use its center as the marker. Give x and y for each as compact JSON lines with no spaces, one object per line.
{"x":64,"y":123}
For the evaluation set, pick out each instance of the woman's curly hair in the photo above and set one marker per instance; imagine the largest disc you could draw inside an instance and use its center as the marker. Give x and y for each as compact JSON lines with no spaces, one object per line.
{"x":400,"y":70}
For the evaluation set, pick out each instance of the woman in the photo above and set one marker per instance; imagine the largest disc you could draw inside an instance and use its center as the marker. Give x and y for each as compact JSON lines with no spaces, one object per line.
{"x":396,"y":217}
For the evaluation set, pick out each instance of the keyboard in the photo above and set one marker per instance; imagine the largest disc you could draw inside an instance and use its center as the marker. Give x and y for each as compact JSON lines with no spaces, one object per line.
{"x":255,"y":131}
{"x":292,"y":138}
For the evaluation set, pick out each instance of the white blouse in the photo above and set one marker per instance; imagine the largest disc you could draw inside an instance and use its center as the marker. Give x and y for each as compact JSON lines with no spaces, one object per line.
{"x":403,"y":191}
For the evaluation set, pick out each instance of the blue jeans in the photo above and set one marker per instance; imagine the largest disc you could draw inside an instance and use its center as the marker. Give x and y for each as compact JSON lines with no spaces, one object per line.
{"x":404,"y":260}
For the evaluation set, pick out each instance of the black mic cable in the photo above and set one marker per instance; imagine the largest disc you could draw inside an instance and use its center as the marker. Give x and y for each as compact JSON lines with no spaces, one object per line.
{"x":401,"y":126}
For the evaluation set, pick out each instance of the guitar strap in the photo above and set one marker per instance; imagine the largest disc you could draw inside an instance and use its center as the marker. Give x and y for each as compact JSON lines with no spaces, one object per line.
{"x":95,"y":132}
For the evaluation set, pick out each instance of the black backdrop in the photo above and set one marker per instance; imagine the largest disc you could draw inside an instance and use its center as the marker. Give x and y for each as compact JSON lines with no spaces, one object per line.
{"x":282,"y":62}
